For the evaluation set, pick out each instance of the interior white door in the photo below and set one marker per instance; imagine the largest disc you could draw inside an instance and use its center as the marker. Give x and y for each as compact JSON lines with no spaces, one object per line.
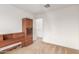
{"x":39,"y":27}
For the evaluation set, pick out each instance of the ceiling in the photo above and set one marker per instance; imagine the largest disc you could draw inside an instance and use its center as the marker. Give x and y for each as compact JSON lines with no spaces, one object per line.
{"x":39,"y":8}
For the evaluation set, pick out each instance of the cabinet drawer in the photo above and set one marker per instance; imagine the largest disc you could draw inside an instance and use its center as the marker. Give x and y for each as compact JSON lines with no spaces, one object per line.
{"x":1,"y":37}
{"x":28,"y":42}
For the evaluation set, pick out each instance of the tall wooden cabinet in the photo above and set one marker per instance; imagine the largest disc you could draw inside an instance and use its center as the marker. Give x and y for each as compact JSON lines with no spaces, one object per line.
{"x":27,"y":28}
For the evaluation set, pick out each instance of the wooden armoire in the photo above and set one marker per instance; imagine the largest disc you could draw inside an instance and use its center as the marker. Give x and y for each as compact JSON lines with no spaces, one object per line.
{"x":27,"y":28}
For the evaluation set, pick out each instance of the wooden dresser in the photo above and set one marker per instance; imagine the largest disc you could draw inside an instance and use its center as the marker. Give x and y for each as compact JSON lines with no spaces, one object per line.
{"x":27,"y":28}
{"x":12,"y":40}
{"x":8,"y":39}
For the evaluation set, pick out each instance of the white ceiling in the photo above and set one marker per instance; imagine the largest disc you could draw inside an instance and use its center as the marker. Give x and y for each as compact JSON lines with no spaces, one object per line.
{"x":39,"y":8}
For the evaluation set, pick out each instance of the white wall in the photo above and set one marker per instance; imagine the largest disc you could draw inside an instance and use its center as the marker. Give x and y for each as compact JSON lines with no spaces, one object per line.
{"x":61,"y":27}
{"x":11,"y":19}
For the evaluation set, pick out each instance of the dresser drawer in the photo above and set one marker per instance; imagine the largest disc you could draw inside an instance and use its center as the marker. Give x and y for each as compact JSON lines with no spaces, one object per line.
{"x":27,"y":42}
{"x":1,"y":37}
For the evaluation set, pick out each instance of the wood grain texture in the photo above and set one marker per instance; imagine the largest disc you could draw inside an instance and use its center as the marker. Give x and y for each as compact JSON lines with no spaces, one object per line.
{"x":27,"y":28}
{"x":11,"y":38}
{"x":1,"y":37}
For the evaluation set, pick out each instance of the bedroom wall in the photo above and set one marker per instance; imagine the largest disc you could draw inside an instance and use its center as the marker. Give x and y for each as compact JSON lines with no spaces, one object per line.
{"x":11,"y":19}
{"x":61,"y":27}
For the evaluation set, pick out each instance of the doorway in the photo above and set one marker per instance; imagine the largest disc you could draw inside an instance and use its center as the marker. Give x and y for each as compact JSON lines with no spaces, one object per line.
{"x":39,"y":28}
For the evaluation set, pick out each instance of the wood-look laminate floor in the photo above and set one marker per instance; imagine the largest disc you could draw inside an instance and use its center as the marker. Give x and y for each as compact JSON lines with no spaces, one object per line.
{"x":39,"y":47}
